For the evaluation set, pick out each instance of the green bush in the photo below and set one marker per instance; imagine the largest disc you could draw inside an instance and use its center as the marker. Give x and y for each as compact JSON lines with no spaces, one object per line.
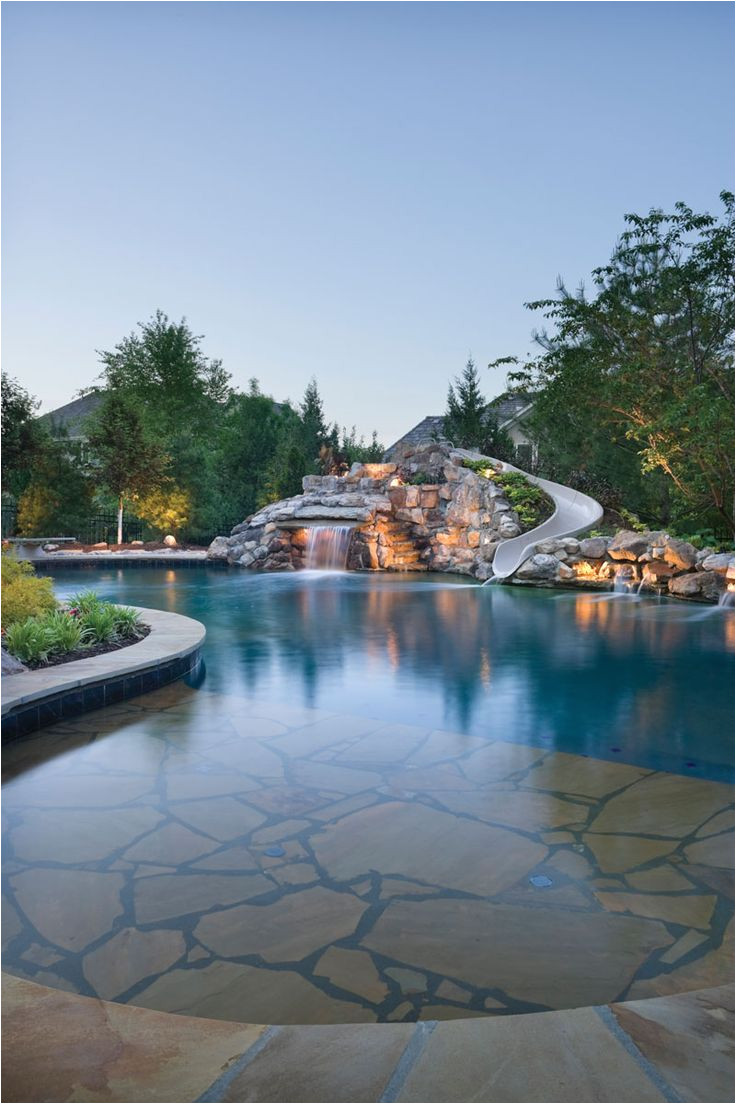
{"x":86,"y":622}
{"x":65,"y":632}
{"x":29,"y":640}
{"x":531,"y":503}
{"x":99,"y":624}
{"x":25,"y":594}
{"x":704,"y":538}
{"x":127,"y":622}
{"x":84,"y":601}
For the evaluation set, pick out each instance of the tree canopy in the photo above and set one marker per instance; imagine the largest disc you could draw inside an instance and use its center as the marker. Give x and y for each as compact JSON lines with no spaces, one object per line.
{"x":470,"y":420}
{"x":635,"y":384}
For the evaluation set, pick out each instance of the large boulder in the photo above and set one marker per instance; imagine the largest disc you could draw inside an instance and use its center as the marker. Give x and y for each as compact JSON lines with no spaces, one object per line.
{"x":11,"y":665}
{"x":720,"y":562}
{"x":681,"y":554}
{"x":698,"y":586}
{"x":630,"y":545}
{"x":540,"y":566}
{"x":594,"y":548}
{"x":219,"y":549}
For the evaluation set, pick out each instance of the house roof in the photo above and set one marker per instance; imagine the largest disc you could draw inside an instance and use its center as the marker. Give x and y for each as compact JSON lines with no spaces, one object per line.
{"x":430,"y":428}
{"x":507,"y":407}
{"x":70,"y":418}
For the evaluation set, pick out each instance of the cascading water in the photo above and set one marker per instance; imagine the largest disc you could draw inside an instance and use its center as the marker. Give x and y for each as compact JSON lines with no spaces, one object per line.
{"x":327,"y":547}
{"x":623,"y":582}
{"x":726,"y":600}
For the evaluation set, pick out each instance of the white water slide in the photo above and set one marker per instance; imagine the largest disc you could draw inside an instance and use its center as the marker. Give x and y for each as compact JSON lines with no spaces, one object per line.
{"x":574,"y":513}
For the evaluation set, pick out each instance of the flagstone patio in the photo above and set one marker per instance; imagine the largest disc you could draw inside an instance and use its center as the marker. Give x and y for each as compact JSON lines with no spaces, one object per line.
{"x":293,"y":866}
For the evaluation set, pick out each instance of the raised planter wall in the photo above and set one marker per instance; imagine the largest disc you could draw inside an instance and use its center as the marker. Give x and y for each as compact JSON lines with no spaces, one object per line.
{"x":34,"y":699}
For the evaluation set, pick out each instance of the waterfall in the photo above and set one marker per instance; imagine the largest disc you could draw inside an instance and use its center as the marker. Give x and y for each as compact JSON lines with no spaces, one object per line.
{"x":327,"y":547}
{"x":726,"y":599}
{"x":624,"y":580}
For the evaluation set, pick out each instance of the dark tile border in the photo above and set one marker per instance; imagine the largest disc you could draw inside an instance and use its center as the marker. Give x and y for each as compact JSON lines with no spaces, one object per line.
{"x":29,"y":718}
{"x":82,"y":562}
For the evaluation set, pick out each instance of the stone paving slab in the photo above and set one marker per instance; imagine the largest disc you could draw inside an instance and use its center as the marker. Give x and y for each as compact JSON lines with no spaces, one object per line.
{"x":62,"y":1047}
{"x":301,"y":881}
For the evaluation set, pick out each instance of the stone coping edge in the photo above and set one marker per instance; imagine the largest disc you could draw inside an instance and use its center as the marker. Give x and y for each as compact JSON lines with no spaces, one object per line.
{"x":180,"y":559}
{"x":668,"y":1048}
{"x":33,"y":699}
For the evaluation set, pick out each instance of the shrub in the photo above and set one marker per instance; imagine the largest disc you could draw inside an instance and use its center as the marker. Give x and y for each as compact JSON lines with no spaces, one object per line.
{"x":127,"y":622}
{"x":65,"y":632}
{"x":531,"y":503}
{"x":88,"y":621}
{"x":29,"y":640}
{"x":25,"y":594}
{"x":99,"y":624}
{"x":167,"y":509}
{"x":84,"y":601}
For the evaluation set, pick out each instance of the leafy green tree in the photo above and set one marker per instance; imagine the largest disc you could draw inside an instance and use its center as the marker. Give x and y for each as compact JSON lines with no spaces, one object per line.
{"x":57,"y":500}
{"x":23,"y":438}
{"x":643,"y":370}
{"x":470,"y":421}
{"x":182,"y":397}
{"x":164,"y":367}
{"x":250,"y":434}
{"x":288,"y":463}
{"x":128,"y":461}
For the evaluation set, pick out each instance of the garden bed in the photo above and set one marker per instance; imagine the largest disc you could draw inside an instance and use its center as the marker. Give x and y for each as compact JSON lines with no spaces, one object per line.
{"x":88,"y":653}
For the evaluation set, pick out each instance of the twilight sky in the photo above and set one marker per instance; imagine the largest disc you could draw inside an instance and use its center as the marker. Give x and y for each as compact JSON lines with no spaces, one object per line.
{"x":365,"y":192}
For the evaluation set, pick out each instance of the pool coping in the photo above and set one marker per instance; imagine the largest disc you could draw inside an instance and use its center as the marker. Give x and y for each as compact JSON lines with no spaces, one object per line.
{"x":179,"y":557}
{"x":33,"y":699}
{"x":667,"y":1048}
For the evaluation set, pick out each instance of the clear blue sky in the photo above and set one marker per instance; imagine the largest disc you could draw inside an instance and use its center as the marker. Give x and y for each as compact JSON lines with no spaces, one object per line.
{"x":363,"y":192}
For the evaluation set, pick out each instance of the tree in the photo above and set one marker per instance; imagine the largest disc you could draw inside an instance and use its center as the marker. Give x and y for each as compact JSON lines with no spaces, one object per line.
{"x":249,"y":437}
{"x":57,"y":500}
{"x":289,"y":462}
{"x":314,"y":427}
{"x":165,"y":368}
{"x":470,"y":421}
{"x":182,"y":397}
{"x":23,"y":438}
{"x":129,"y":462}
{"x":644,"y":369}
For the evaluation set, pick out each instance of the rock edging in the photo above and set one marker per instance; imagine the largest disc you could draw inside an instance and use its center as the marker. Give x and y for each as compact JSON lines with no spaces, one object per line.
{"x":652,"y":560}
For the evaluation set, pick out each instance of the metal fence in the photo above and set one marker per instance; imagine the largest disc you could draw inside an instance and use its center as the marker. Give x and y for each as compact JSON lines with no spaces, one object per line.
{"x":96,"y":528}
{"x":104,"y":527}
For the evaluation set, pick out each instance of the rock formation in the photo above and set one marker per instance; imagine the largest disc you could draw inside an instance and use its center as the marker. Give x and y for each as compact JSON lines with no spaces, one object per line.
{"x":427,"y":512}
{"x":660,"y":563}
{"x":424,"y":512}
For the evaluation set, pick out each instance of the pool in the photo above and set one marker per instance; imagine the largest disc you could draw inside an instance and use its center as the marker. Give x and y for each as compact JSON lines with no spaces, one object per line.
{"x":387,"y":798}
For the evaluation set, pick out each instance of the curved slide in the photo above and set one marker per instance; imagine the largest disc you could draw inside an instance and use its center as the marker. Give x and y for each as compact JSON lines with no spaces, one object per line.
{"x":574,"y":513}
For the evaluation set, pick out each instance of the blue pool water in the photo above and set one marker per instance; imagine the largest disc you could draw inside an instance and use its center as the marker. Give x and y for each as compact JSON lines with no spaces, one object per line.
{"x":644,"y":682}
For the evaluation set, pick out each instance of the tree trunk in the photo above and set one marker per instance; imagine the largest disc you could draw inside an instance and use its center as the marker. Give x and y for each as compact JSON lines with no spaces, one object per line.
{"x":120,"y":519}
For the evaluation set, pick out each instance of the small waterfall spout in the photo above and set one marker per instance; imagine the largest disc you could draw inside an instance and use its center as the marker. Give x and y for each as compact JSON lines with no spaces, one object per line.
{"x":327,"y":547}
{"x":624,"y":581}
{"x":726,"y":599}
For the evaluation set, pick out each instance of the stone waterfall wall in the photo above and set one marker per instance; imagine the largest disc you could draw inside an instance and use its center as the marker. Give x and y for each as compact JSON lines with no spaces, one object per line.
{"x":657,"y":561}
{"x":425,"y":512}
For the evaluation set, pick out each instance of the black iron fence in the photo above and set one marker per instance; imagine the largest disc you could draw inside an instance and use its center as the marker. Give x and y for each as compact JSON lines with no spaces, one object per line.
{"x":96,"y":528}
{"x":104,"y":527}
